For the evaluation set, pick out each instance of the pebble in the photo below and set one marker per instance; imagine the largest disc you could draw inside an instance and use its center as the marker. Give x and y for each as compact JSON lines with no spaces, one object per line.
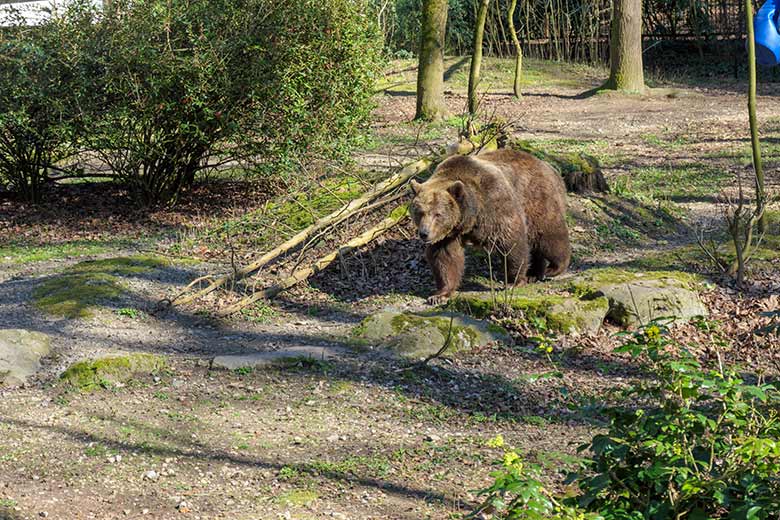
{"x":432,"y":437}
{"x":151,"y":475}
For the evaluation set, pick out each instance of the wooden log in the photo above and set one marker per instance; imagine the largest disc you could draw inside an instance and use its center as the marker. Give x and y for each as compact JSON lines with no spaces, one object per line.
{"x":398,"y":215}
{"x":333,"y":219}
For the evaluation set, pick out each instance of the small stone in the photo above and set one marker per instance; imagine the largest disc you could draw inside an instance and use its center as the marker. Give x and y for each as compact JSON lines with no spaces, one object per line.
{"x":43,"y":514}
{"x":126,"y":512}
{"x":333,"y":438}
{"x":183,"y":507}
{"x":151,"y":475}
{"x":432,"y":437}
{"x":297,"y":440}
{"x":144,"y":511}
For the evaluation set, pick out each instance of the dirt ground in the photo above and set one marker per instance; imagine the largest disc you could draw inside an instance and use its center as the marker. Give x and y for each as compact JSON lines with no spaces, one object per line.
{"x":356,"y":436}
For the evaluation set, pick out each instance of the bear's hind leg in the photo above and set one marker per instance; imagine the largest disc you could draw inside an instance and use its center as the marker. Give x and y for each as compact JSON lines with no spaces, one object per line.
{"x":448,"y":261}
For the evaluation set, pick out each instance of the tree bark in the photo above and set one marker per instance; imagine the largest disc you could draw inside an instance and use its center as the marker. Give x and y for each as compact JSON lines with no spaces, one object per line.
{"x":476,"y":56}
{"x":756,"y":145}
{"x":625,"y":47}
{"x":518,"y":49}
{"x":430,"y":73}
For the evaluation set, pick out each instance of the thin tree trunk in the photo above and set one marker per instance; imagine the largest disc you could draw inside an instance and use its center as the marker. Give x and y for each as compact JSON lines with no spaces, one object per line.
{"x":625,"y":47}
{"x":759,"y":169}
{"x":476,"y":56}
{"x":518,"y":49}
{"x":430,"y":74}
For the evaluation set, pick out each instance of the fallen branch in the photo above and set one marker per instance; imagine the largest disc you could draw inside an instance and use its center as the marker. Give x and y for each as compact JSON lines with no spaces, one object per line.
{"x":388,"y":223}
{"x":299,"y":238}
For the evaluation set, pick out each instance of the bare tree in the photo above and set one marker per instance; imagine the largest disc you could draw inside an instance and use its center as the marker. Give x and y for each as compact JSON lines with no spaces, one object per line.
{"x":518,"y":48}
{"x":476,"y":56}
{"x":757,"y":165}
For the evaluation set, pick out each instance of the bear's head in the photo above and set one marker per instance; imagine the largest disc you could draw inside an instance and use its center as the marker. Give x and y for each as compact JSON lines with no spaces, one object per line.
{"x":437,"y":208}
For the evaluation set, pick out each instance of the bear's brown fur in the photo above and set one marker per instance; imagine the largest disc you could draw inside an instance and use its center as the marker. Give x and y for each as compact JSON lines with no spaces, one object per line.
{"x":507,"y":202}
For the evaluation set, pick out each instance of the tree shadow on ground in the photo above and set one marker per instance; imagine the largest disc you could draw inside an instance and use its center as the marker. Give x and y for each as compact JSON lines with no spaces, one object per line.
{"x":203,"y":453}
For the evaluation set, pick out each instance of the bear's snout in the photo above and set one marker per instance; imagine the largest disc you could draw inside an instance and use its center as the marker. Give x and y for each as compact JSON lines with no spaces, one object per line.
{"x":423,"y":235}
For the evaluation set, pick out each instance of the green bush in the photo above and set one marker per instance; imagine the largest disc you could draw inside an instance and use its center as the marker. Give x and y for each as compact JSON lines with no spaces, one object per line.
{"x":691,"y":443}
{"x":37,"y":116}
{"x":162,"y":89}
{"x":182,"y":85}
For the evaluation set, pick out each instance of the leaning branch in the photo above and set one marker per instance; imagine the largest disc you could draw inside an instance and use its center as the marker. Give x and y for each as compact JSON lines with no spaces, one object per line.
{"x":333,"y":219}
{"x":302,"y":274}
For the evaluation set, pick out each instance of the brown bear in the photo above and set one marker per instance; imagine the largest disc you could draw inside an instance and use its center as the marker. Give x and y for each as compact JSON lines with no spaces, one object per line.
{"x":507,"y":202}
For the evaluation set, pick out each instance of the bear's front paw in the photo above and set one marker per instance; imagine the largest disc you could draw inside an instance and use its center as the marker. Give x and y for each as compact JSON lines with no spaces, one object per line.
{"x":438,"y":299}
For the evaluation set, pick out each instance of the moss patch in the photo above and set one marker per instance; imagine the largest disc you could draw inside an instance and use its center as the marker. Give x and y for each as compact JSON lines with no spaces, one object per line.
{"x":298,"y":497}
{"x":27,"y":253}
{"x":89,"y":375}
{"x":565,"y":162}
{"x":82,"y":287}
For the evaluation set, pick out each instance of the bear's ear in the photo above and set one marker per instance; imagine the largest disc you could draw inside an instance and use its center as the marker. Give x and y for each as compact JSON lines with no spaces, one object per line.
{"x":415,"y":187}
{"x":457,"y":189}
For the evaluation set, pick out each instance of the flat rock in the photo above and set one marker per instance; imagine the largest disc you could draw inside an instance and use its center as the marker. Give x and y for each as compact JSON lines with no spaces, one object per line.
{"x":265,"y":359}
{"x":641,"y":301}
{"x":20,"y":354}
{"x":417,"y":335}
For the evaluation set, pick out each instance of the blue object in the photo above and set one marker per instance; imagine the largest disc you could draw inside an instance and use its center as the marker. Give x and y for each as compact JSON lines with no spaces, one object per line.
{"x":767,"y":34}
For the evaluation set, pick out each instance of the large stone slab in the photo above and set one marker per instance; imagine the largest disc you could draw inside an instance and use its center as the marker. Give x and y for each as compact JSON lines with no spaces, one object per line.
{"x":20,"y":354}
{"x":638,"y":297}
{"x":266,"y":359}
{"x":417,"y":335}
{"x":636,"y":303}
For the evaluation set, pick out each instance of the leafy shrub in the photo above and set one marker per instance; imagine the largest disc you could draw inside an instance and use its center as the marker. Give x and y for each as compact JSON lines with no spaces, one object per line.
{"x":36,"y":119}
{"x":517,"y":492}
{"x":178,"y":86}
{"x":694,"y":443}
{"x":709,"y":449}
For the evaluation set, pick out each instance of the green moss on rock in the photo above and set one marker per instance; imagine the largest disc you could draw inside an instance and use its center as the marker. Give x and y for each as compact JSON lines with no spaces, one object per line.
{"x":419,"y":334}
{"x":92,"y":374}
{"x":558,"y":312}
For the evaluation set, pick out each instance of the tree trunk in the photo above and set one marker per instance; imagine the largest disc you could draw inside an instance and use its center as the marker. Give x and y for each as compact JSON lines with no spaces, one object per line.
{"x":518,"y":49}
{"x":430,"y":74}
{"x":759,"y":169}
{"x":625,"y":47}
{"x":476,"y":56}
